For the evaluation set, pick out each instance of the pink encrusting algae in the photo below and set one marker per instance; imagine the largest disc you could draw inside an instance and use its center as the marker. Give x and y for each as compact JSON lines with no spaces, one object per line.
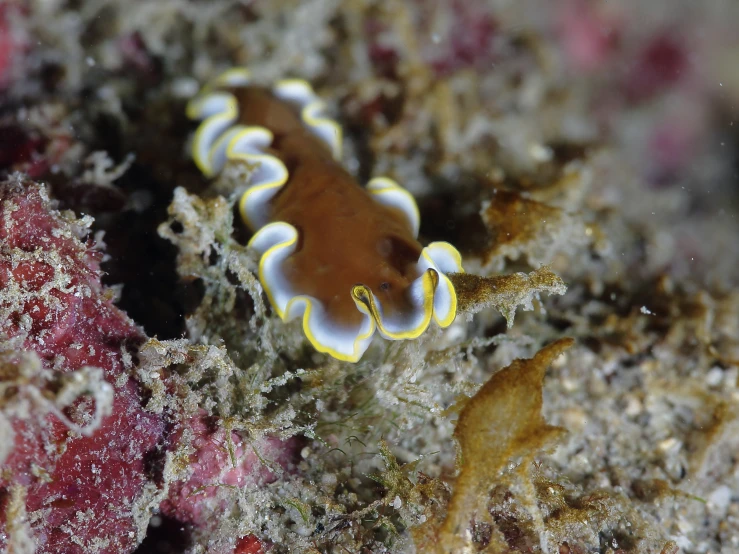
{"x":588,"y":35}
{"x":86,"y":461}
{"x":217,"y":463}
{"x":80,"y":462}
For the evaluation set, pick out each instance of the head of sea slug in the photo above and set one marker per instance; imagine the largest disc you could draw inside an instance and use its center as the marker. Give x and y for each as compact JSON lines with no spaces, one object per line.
{"x":396,"y":290}
{"x":397,"y":287}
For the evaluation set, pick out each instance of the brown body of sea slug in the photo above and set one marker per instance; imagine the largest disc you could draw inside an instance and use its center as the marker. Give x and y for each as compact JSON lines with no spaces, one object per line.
{"x":343,"y":257}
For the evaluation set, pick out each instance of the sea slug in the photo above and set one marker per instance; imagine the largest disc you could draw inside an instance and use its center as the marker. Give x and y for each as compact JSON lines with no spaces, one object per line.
{"x":344,"y":257}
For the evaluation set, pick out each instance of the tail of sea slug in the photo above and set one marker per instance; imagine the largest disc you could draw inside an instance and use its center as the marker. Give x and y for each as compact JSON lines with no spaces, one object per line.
{"x":219,"y":139}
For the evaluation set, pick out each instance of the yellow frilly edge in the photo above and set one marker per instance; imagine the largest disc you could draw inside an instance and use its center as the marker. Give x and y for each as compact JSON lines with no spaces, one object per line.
{"x":363,"y":294}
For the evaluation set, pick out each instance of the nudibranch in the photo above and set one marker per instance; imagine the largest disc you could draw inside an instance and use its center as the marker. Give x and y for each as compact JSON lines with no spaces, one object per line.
{"x":343,"y":257}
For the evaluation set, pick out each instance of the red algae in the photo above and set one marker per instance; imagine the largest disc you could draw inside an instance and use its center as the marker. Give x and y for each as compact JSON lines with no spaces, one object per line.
{"x":85,"y":467}
{"x":468,"y":40}
{"x":221,"y":461}
{"x":663,"y":62}
{"x":589,"y":36}
{"x":81,"y":443}
{"x":249,"y":545}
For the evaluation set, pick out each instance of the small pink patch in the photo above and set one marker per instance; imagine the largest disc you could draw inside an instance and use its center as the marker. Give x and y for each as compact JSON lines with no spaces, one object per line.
{"x":213,"y":468}
{"x":469,"y":42}
{"x":588,"y":36}
{"x":137,"y":57}
{"x":662,"y":63}
{"x":248,"y":545}
{"x":11,"y":44}
{"x":7,"y":47}
{"x":384,"y":57}
{"x":672,"y":146}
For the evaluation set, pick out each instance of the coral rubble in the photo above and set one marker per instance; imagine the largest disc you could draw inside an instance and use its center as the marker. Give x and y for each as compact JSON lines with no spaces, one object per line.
{"x":580,"y":155}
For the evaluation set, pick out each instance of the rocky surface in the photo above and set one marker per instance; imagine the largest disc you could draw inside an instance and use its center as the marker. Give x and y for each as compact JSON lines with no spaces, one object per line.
{"x":586,"y":146}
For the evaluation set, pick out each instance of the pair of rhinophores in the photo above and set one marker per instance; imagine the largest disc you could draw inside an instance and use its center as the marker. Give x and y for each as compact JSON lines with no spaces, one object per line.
{"x":344,"y":257}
